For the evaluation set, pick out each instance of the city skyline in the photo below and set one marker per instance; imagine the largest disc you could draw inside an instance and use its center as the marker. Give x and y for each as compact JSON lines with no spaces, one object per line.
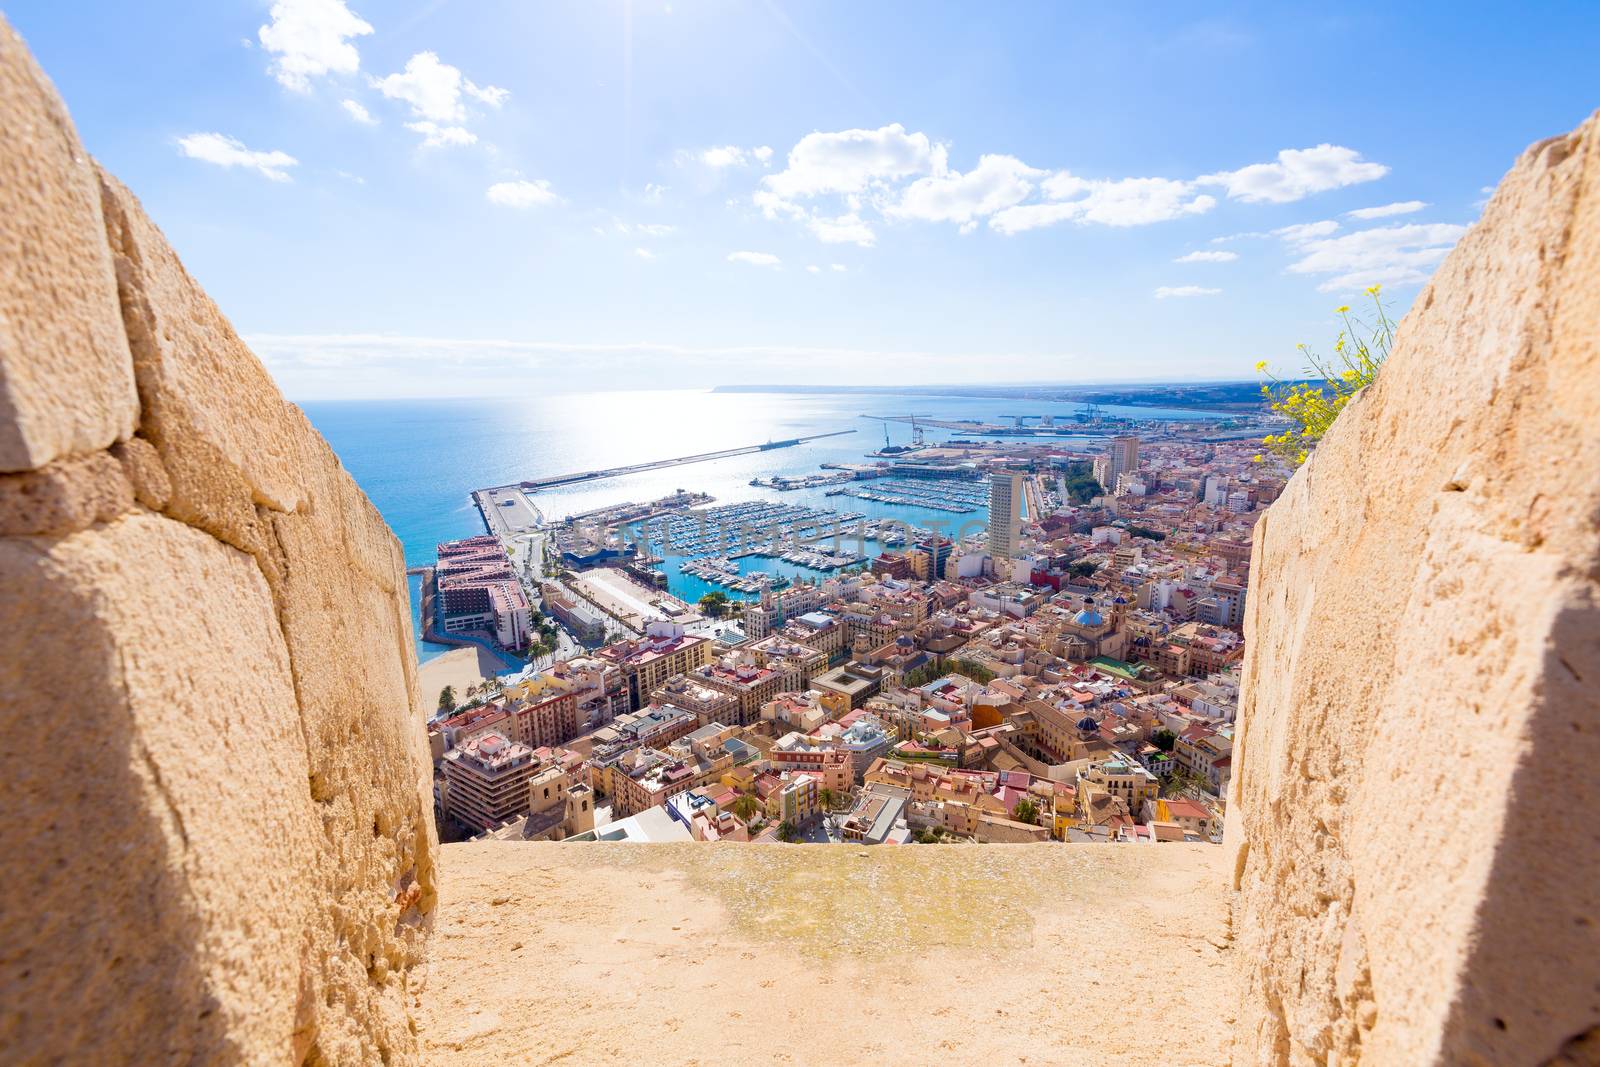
{"x":425,"y":199}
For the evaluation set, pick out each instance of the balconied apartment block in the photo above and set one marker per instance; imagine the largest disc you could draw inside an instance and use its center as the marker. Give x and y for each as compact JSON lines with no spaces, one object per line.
{"x":742,"y":676}
{"x":487,"y":780}
{"x":648,"y":662}
{"x":706,"y":703}
{"x":543,"y":709}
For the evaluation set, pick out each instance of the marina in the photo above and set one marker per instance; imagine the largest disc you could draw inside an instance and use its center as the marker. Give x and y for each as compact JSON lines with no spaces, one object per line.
{"x":753,"y":547}
{"x":725,"y":573}
{"x":808,"y":481}
{"x":740,"y":529}
{"x":952,"y":495}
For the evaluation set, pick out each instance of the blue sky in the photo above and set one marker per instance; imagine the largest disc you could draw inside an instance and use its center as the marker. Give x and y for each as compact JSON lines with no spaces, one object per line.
{"x":472,"y":197}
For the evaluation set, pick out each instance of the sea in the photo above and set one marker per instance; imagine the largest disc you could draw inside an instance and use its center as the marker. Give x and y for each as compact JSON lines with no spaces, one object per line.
{"x":419,"y":460}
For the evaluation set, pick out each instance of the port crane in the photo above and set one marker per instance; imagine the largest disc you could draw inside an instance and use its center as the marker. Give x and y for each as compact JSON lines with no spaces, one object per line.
{"x":918,"y":440}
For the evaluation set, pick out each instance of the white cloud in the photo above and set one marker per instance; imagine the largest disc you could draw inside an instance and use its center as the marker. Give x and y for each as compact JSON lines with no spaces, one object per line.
{"x":644,"y":253}
{"x":724,"y":157}
{"x":840,"y":267}
{"x":755,"y":259}
{"x":1167,"y":291}
{"x":639,"y":229}
{"x":852,"y":161}
{"x":1229,"y":238}
{"x":1298,"y":173}
{"x":813,"y":269}
{"x":225,"y":151}
{"x":997,"y":182}
{"x":359,"y":113}
{"x":902,"y":175}
{"x":846,"y":229}
{"x":437,"y":136}
{"x":1404,"y":207}
{"x":1123,"y":202}
{"x":1391,"y":255}
{"x":1208,"y":257}
{"x":521,"y":194}
{"x":653,"y":192}
{"x":492,"y":95}
{"x":308,"y":38}
{"x":774,"y":206}
{"x":1305,"y":231}
{"x":434,"y":89}
{"x":1033,"y":216}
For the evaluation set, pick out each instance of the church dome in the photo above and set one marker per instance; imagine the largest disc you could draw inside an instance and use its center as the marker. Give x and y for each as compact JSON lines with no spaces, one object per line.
{"x":1089,"y":617}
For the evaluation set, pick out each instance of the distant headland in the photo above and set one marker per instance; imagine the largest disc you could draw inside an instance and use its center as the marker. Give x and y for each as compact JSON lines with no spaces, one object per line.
{"x":1215,"y":396}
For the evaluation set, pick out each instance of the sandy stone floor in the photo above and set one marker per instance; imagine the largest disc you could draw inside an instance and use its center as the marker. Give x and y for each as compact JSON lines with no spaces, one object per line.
{"x":826,"y":954}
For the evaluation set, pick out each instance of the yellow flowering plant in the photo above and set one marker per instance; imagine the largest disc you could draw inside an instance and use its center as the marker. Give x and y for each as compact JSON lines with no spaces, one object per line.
{"x":1358,"y":354}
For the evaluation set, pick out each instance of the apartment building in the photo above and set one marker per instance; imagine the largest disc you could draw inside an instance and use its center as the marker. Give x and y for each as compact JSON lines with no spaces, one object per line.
{"x":865,"y":740}
{"x":650,"y":661}
{"x":831,"y":765}
{"x":818,"y":630}
{"x":487,"y":780}
{"x":1005,"y":516}
{"x":768,"y":613}
{"x":706,"y":703}
{"x":543,"y":710}
{"x":1124,"y":779}
{"x":790,"y":798}
{"x":794,"y":663}
{"x":749,"y":683}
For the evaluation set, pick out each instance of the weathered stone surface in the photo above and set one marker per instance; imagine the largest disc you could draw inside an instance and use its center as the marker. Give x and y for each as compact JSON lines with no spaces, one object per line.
{"x":66,"y":382}
{"x":141,"y":464}
{"x":162,"y":913}
{"x":1418,"y":878}
{"x":221,"y":846}
{"x":1067,"y":955}
{"x":67,"y":495}
{"x":223,"y":432}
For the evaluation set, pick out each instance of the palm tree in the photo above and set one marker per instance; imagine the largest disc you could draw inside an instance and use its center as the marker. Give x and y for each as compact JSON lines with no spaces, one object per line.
{"x":447,"y":698}
{"x":745,"y":806}
{"x":786,"y":831}
{"x":1028,"y":812}
{"x":828,"y":798}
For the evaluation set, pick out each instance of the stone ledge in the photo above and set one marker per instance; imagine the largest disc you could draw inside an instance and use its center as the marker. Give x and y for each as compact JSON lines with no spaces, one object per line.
{"x":699,"y":953}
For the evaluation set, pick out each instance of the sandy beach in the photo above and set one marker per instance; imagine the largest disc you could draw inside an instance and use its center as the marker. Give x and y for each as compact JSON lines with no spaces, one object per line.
{"x":460,"y":667}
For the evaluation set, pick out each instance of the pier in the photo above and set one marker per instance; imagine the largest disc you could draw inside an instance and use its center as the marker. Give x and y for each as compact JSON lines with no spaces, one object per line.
{"x":636,"y":468}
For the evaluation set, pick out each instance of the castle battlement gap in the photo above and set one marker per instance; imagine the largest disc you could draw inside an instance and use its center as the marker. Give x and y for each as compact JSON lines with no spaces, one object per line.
{"x":221,"y":847}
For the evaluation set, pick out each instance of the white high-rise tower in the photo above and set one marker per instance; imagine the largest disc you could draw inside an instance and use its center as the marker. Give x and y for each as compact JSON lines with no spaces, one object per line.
{"x":1005,"y":515}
